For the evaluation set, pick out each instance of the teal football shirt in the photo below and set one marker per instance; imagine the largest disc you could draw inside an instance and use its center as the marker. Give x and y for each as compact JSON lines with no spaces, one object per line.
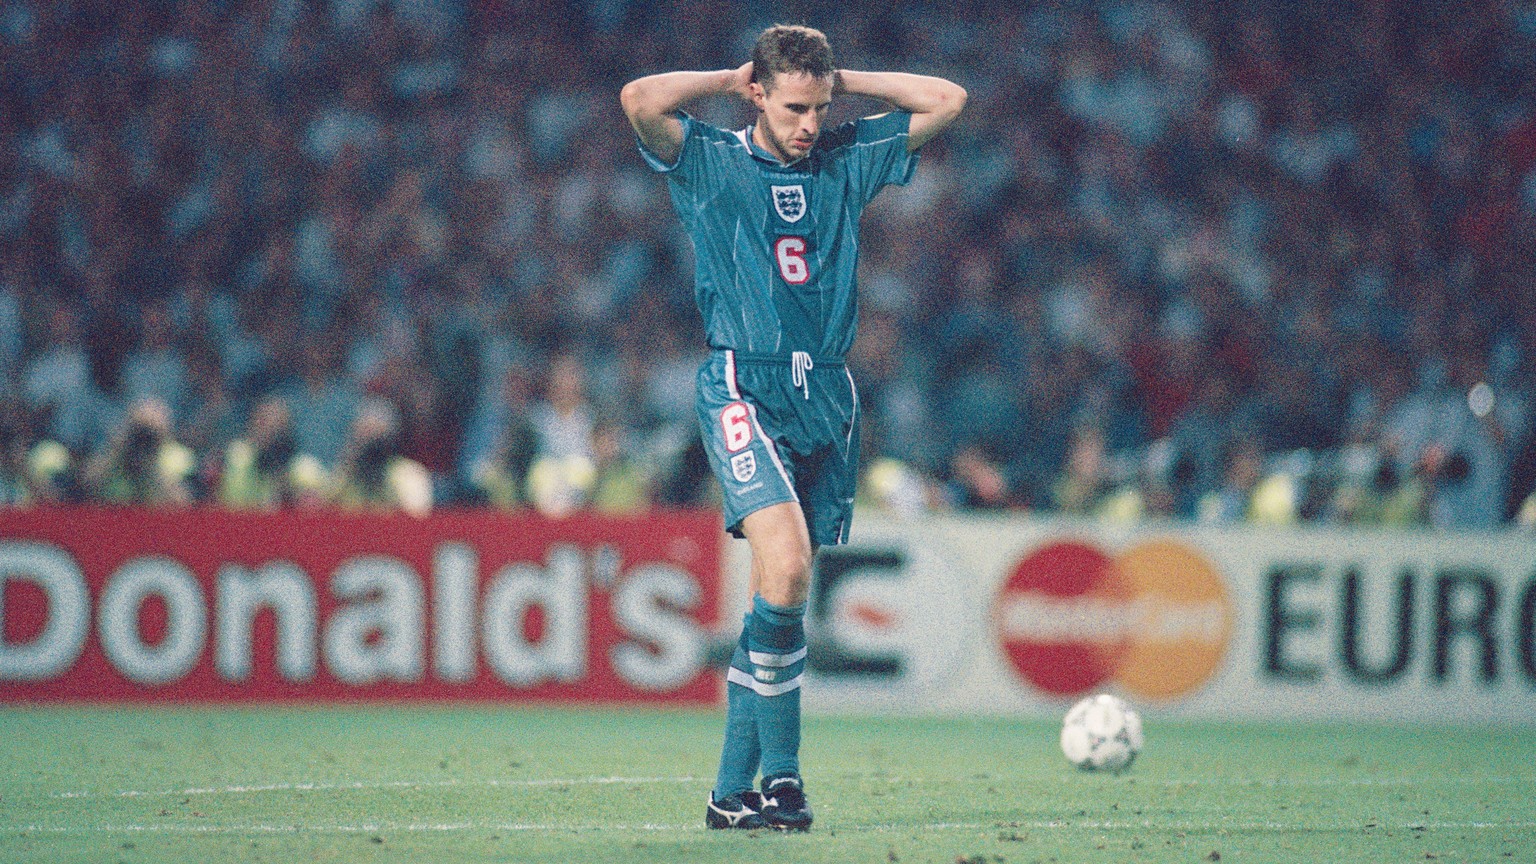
{"x":777,"y":246}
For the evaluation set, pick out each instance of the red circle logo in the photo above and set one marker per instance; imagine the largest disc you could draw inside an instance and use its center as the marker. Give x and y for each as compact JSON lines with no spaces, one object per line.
{"x":1156,"y":618}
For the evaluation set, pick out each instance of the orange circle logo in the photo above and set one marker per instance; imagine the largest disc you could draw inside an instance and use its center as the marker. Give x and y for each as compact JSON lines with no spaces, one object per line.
{"x":1156,"y":618}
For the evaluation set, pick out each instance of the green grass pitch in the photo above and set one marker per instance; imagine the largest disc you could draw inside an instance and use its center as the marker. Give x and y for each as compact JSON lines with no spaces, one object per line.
{"x":481,"y":784}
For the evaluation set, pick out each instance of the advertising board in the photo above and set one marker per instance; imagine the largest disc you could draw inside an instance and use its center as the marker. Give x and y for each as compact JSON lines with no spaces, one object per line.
{"x":203,"y":605}
{"x":1020,"y":615}
{"x":1001,"y":615}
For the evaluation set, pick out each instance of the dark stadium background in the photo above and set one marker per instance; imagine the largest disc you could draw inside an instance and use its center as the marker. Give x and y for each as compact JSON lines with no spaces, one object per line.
{"x":1172,"y":255}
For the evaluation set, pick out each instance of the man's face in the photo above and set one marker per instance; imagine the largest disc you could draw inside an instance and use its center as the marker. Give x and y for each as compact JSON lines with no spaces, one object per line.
{"x":791,"y":113}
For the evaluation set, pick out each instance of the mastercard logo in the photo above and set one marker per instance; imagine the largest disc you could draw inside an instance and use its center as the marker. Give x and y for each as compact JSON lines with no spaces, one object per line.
{"x":1155,"y":618}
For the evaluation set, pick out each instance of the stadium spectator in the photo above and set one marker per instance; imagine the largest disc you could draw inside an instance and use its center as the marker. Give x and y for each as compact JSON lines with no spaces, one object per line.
{"x":209,"y":417}
{"x":1247,"y":495}
{"x":155,"y":368}
{"x":978,"y":481}
{"x":142,"y":463}
{"x":1086,"y":481}
{"x":564,"y":473}
{"x":500,"y":446}
{"x":563,"y":418}
{"x":621,"y":485}
{"x":323,"y":400}
{"x":264,"y":469}
{"x":58,"y":382}
{"x":371,"y":474}
{"x":1472,"y":448}
{"x":32,"y":471}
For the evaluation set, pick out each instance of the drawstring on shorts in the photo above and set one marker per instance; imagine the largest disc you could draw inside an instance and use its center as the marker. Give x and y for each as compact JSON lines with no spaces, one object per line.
{"x":800,"y":363}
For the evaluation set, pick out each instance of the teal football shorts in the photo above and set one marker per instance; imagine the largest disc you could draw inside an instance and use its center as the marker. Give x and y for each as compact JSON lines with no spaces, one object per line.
{"x":782,"y":428}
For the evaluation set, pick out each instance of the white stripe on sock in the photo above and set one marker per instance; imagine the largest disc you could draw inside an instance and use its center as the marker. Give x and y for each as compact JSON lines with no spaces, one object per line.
{"x":763,"y":658}
{"x":736,"y":676}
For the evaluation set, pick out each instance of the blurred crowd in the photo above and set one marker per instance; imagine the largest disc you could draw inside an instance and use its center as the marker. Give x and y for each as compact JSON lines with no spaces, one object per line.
{"x":1255,"y":261}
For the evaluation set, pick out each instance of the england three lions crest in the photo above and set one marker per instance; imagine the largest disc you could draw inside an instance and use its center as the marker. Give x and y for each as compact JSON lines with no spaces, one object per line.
{"x":789,"y":201}
{"x":743,"y":466}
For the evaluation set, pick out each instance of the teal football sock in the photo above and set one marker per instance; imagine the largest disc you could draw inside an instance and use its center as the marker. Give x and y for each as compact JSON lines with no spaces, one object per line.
{"x":739,"y":756}
{"x":776,"y":648}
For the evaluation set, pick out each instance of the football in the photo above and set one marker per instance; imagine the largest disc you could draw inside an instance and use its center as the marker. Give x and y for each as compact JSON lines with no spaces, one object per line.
{"x":1101,"y":733}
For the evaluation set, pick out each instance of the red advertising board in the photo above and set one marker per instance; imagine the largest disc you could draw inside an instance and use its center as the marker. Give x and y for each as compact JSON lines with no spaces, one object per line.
{"x":212,"y":606}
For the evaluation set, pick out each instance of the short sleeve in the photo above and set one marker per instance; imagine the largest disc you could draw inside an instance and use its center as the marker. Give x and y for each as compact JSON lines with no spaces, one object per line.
{"x":879,"y":146}
{"x":680,"y":168}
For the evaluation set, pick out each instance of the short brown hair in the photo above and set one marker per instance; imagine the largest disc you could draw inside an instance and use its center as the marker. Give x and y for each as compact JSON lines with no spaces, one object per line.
{"x":791,"y":48}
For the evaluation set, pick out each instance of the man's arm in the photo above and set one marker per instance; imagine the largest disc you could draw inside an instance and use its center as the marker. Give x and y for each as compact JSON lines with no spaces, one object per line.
{"x":933,"y":102}
{"x":652,"y":103}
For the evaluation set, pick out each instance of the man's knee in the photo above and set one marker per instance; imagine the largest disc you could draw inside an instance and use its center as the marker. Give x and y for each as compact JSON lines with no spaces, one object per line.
{"x":782,"y":553}
{"x":786,"y":576}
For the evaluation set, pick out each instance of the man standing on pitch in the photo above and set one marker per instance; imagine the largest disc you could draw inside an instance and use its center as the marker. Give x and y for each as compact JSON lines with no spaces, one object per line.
{"x":773,"y":211}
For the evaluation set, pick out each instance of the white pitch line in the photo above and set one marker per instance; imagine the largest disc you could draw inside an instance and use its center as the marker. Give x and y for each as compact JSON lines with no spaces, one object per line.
{"x":366,"y":785}
{"x":1046,"y":825}
{"x":1238,"y":783}
{"x":1156,"y":825}
{"x":323,"y":829}
{"x":1279,"y":782}
{"x":1287,"y":782}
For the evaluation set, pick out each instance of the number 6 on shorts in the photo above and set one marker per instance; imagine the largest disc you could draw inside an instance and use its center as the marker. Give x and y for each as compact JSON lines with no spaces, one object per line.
{"x":736,"y":423}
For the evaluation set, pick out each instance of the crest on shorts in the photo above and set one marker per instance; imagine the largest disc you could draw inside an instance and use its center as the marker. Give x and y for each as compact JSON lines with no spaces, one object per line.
{"x":743,"y":466}
{"x":789,"y":201}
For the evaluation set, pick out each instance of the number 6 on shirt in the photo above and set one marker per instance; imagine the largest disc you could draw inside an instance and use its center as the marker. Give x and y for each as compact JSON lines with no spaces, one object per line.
{"x":790,"y":253}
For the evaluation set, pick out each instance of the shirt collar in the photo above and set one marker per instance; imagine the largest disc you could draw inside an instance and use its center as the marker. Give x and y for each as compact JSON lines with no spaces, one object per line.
{"x":763,"y":155}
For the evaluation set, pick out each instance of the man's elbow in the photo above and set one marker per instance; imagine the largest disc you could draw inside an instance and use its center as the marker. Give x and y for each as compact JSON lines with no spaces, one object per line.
{"x":632,"y":98}
{"x":642,"y":100}
{"x":952,"y":100}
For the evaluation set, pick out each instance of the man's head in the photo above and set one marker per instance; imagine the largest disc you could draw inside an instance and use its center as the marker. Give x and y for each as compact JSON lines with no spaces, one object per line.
{"x":790,"y":49}
{"x":792,"y":79}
